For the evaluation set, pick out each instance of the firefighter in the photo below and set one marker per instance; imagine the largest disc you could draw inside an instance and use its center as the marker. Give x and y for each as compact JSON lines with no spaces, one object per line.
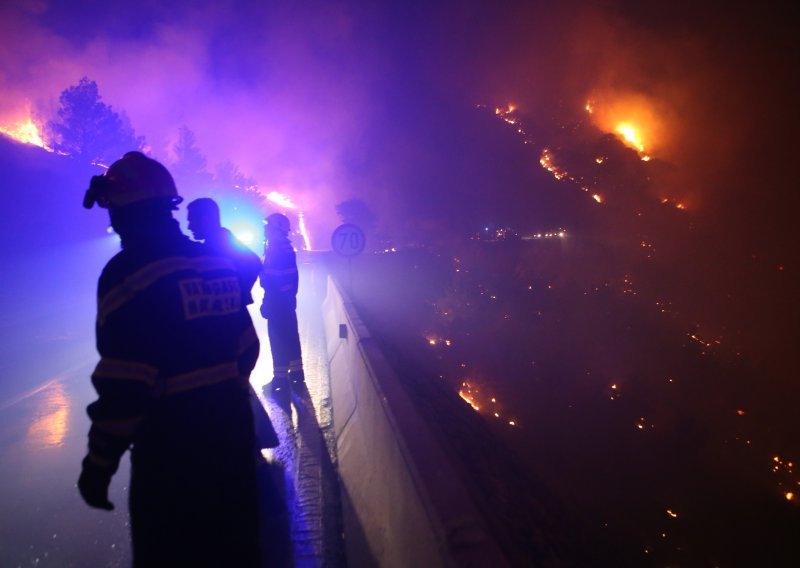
{"x":204,"y":223}
{"x":279,"y":279}
{"x":176,"y":349}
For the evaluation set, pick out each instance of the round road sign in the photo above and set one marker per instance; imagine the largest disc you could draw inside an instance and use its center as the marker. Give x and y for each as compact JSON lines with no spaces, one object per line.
{"x":348,"y":240}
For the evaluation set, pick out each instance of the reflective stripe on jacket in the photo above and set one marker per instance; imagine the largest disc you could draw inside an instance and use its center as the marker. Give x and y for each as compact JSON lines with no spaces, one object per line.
{"x":171,"y":322}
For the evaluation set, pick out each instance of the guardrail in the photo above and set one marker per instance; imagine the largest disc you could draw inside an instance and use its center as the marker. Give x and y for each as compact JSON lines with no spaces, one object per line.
{"x":403,"y":502}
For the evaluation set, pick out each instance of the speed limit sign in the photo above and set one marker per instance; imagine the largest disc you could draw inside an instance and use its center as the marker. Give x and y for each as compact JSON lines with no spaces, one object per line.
{"x":348,"y":240}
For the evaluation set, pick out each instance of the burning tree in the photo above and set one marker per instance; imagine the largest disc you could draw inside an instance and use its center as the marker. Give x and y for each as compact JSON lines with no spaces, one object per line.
{"x":88,"y":129}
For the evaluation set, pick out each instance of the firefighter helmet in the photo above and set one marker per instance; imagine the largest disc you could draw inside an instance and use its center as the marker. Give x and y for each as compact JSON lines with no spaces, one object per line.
{"x":279,"y":223}
{"x":133,"y":178}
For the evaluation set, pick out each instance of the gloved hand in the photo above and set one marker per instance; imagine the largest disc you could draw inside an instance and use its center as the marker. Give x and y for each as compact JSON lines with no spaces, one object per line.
{"x":93,"y":486}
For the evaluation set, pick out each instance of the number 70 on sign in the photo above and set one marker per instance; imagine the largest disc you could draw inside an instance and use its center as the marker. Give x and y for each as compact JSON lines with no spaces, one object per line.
{"x":348,"y":240}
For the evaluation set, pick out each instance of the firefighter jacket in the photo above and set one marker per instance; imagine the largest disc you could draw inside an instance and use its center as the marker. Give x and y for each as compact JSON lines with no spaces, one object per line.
{"x":176,"y":349}
{"x":279,"y":278}
{"x":246,"y":261}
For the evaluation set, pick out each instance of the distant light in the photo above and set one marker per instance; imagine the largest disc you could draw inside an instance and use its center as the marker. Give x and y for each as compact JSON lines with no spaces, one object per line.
{"x":245,"y":237}
{"x":672,"y":514}
{"x":789,"y":495}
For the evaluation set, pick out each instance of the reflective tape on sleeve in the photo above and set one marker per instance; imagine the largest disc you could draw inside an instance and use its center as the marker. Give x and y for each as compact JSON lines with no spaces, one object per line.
{"x":121,"y":428}
{"x":118,"y":369}
{"x":101,"y":462}
{"x":153,"y":272}
{"x":201,"y":378}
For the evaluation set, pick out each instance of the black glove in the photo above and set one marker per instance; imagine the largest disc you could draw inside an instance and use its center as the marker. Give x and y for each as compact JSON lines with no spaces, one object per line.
{"x":93,"y":486}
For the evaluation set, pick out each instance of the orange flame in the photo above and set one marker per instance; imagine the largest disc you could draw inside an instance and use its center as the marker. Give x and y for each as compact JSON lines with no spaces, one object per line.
{"x":25,"y":131}
{"x":630,"y":116}
{"x":630,"y":135}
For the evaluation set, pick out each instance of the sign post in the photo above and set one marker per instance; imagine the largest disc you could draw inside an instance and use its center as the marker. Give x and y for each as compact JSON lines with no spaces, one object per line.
{"x":349,"y":241}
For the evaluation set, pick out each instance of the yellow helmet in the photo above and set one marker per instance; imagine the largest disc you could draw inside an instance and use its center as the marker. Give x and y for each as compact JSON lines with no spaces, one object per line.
{"x":133,"y":178}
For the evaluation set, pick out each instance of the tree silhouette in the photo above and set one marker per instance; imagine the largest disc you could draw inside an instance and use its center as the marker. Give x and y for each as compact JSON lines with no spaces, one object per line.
{"x":189,"y":169}
{"x":356,"y":211}
{"x":229,"y":180}
{"x":88,"y":129}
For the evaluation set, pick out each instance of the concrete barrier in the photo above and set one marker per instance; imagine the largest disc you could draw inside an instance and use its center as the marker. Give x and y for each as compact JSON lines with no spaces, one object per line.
{"x":404,"y":503}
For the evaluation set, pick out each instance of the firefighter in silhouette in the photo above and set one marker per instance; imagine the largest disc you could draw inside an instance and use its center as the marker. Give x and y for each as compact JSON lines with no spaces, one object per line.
{"x":176,"y":349}
{"x":205,"y":224}
{"x":279,"y":279}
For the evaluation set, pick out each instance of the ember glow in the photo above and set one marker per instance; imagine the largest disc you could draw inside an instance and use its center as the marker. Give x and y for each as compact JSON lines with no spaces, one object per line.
{"x":677,"y":204}
{"x":468,"y":394}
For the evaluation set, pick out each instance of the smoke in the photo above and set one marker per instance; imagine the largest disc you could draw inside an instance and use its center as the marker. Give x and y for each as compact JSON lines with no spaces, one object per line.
{"x":280,"y":92}
{"x":328,"y":101}
{"x":712,"y":86}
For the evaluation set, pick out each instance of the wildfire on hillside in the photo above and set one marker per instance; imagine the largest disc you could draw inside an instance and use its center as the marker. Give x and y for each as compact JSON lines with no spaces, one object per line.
{"x":546,"y":159}
{"x":25,"y":130}
{"x":488,"y":404}
{"x":631,"y":118}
